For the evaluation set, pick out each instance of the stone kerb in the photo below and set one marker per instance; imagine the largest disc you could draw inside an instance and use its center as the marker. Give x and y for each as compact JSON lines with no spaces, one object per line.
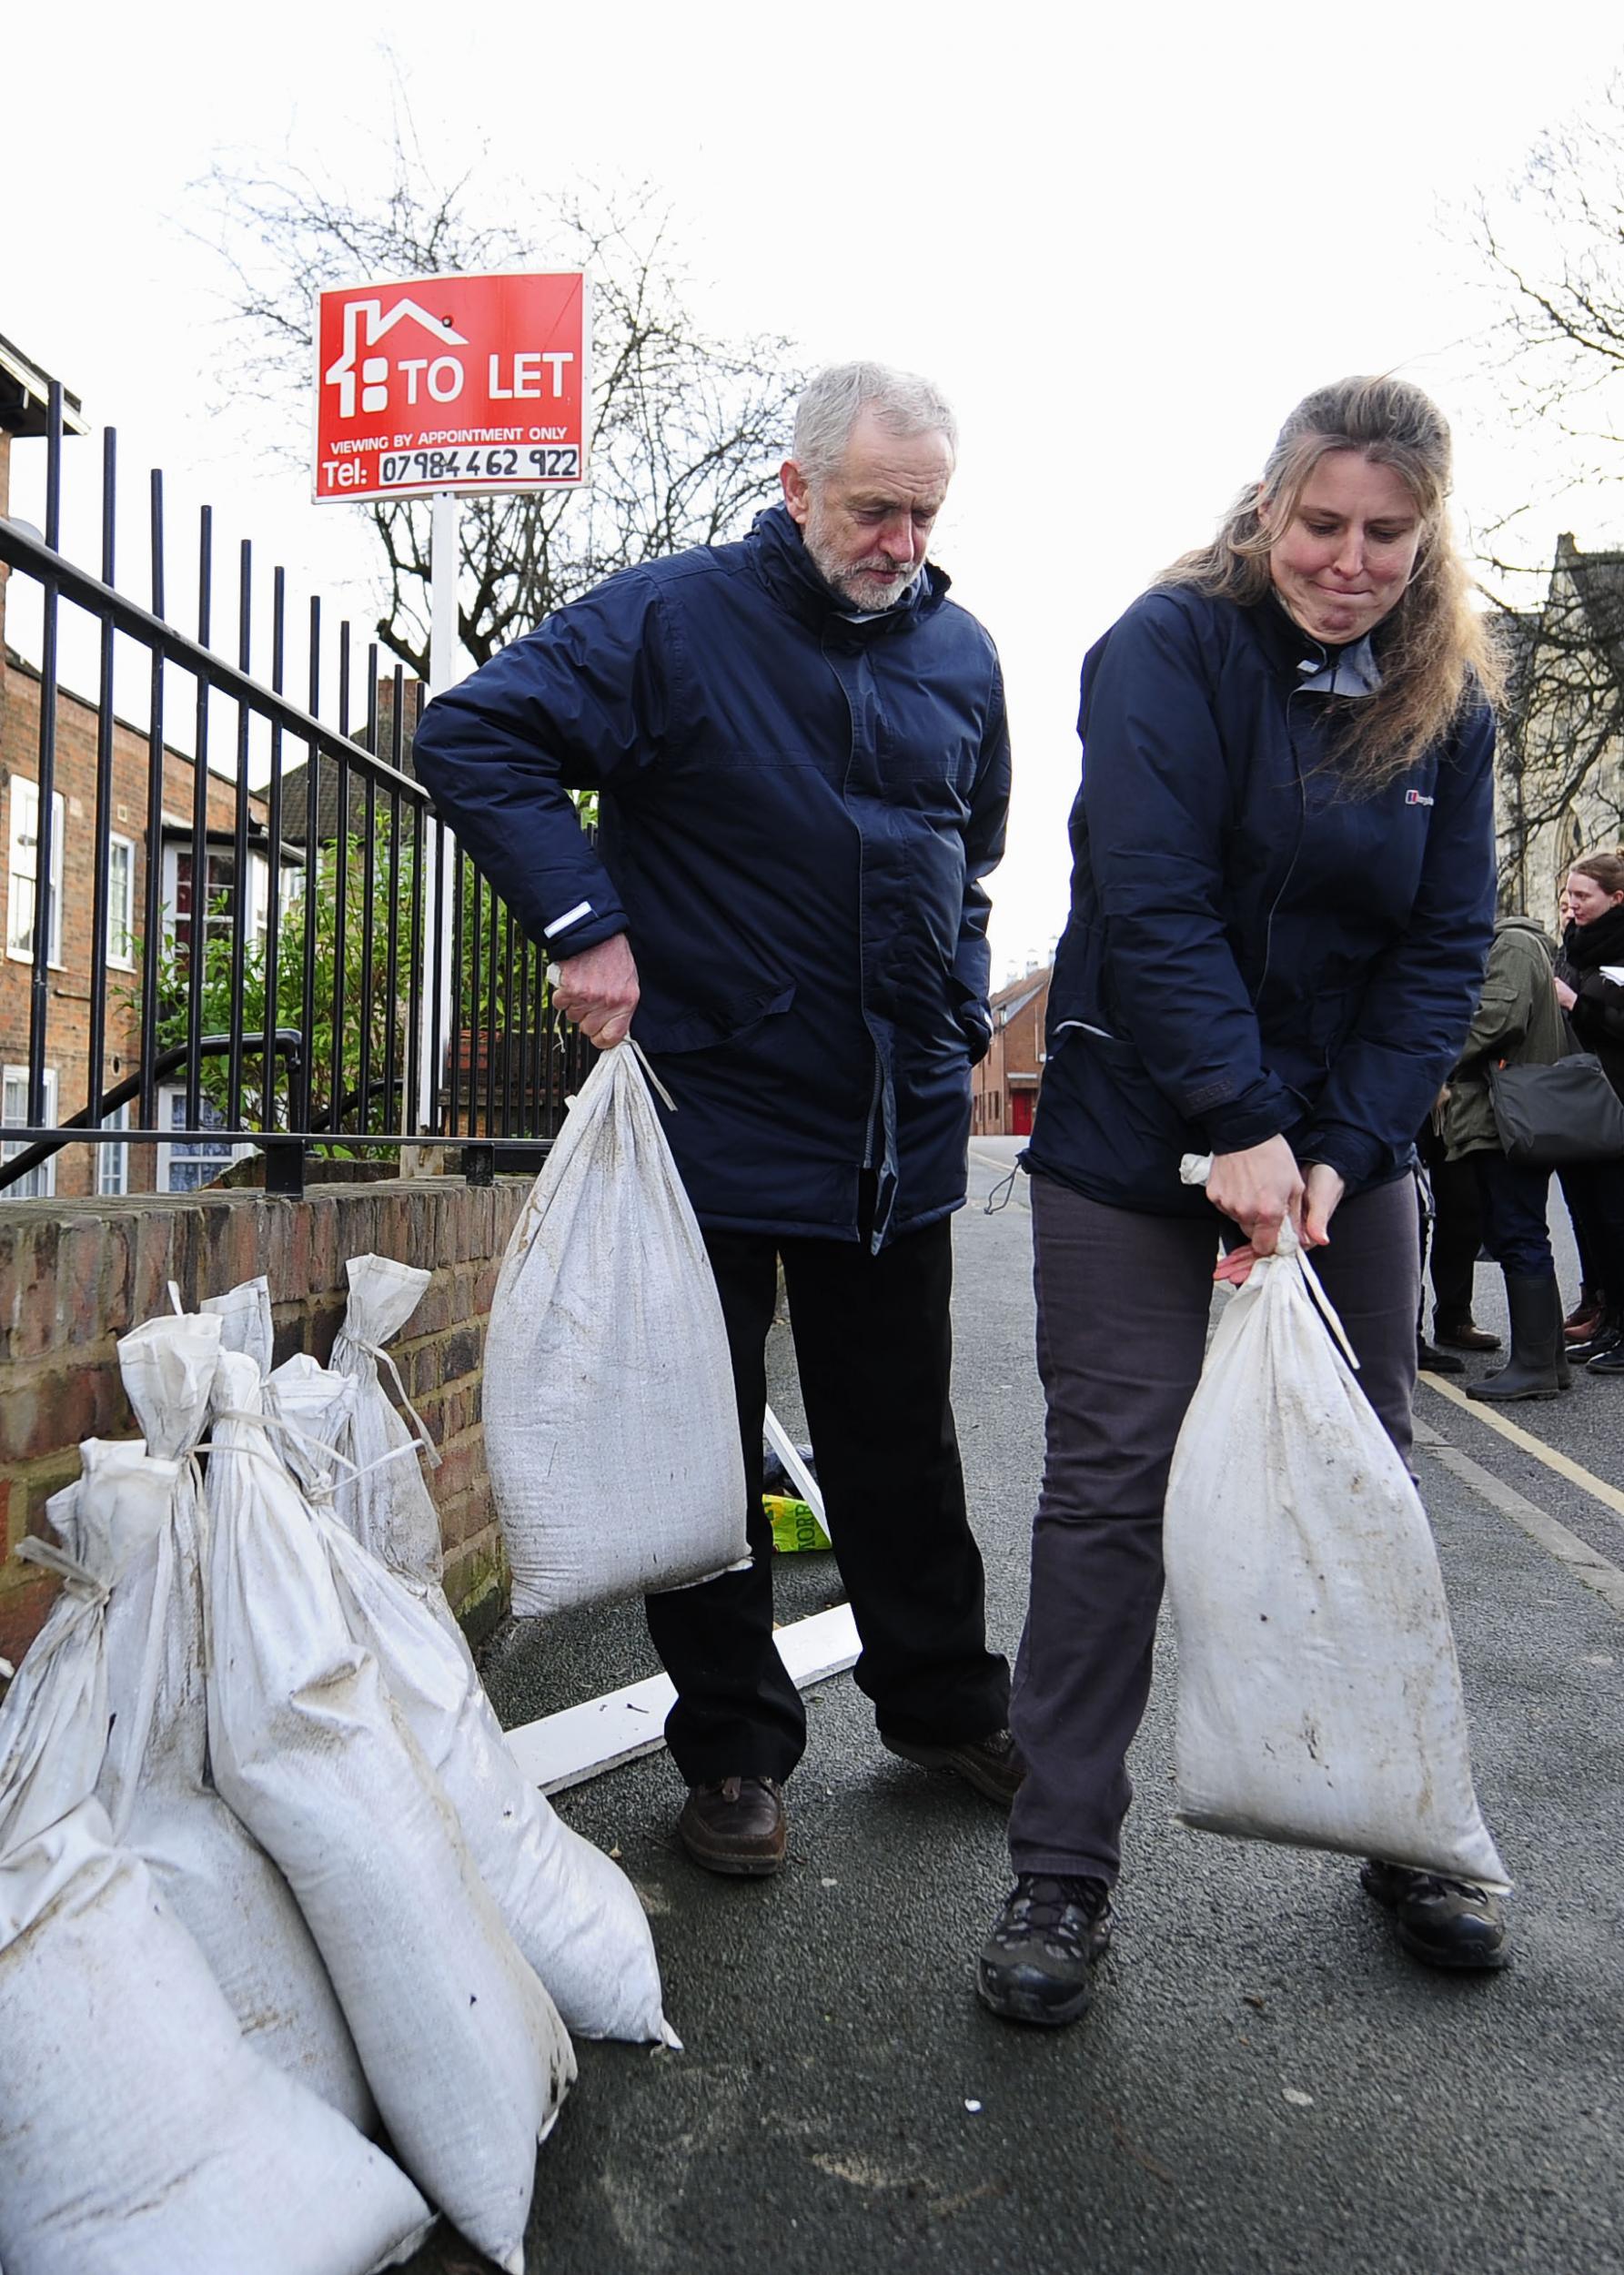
{"x":75,"y":1275}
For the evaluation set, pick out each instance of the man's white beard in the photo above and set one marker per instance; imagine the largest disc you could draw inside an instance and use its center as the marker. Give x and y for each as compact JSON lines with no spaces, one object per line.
{"x":861,"y":589}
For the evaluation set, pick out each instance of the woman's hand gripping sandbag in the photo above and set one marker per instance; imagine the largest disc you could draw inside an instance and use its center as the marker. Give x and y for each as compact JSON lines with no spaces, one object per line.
{"x":1319,"y":1699}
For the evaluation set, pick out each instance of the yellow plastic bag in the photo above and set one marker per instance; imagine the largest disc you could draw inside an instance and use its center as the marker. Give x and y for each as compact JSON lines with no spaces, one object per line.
{"x":795,"y":1526}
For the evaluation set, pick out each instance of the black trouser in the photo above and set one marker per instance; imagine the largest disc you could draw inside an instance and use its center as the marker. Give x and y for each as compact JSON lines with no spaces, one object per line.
{"x":1457,"y":1230}
{"x":1123,"y":1302}
{"x":1590,"y":1259}
{"x":873,"y":1345}
{"x":1514,"y":1199}
{"x":1595,"y":1194}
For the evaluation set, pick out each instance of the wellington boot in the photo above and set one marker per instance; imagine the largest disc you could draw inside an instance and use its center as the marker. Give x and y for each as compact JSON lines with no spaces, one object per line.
{"x":1538,"y":1366}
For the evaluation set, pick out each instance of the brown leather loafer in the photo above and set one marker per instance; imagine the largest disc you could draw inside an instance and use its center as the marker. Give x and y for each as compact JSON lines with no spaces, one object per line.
{"x":993,"y":1765}
{"x":1463,"y":1335}
{"x":738,"y":1825}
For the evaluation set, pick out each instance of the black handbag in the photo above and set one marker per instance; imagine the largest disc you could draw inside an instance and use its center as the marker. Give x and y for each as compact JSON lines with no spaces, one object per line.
{"x":1546,"y":1117}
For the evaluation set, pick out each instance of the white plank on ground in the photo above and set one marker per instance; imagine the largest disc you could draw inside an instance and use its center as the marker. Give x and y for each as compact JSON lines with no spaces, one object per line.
{"x":800,"y":1476}
{"x":581,"y":1742}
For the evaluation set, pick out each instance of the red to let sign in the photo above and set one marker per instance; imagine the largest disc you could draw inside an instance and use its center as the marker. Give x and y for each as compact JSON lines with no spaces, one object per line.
{"x":464,"y":383}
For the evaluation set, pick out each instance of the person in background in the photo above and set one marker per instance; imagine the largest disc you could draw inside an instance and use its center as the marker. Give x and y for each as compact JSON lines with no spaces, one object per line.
{"x":1593,"y":949}
{"x":1429,"y":1359}
{"x":1517,"y":1023}
{"x":1456,"y":1237}
{"x":1585,"y":1318}
{"x":1282,"y":898}
{"x":810,"y":695}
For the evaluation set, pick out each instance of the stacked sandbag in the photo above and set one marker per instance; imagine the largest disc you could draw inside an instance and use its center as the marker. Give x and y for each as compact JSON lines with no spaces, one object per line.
{"x":382,"y":1499}
{"x":155,"y":1784}
{"x":461,"y":2045}
{"x":572,"y":1911}
{"x":244,"y":1313}
{"x":612,"y":1431}
{"x":140,"y":2133}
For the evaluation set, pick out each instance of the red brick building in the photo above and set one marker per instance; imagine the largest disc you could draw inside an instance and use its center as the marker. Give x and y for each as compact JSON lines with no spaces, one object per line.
{"x":84,"y":1170}
{"x":1004,"y":1086}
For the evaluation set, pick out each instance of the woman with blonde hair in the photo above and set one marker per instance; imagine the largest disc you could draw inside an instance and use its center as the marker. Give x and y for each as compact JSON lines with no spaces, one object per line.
{"x":1282,"y":897}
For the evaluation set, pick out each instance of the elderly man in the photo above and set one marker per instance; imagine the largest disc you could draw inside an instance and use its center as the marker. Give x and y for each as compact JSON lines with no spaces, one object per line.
{"x":800,"y":750}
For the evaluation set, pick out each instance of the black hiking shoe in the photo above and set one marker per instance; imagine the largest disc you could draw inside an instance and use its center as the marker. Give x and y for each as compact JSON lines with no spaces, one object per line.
{"x":1037,"y":1963}
{"x":993,"y":1765}
{"x":1444,"y":1923}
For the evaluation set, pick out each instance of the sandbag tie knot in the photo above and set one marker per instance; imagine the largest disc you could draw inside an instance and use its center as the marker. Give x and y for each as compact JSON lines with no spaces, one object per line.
{"x":321,"y":1492}
{"x":431,"y":1450}
{"x":654,"y":1080}
{"x":78,"y":1579}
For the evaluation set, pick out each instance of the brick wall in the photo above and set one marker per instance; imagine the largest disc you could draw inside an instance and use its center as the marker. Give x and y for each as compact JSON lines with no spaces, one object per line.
{"x":77,"y":1275}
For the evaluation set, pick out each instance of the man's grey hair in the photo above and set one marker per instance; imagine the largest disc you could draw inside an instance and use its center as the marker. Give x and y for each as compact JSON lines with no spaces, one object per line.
{"x":832,"y":403}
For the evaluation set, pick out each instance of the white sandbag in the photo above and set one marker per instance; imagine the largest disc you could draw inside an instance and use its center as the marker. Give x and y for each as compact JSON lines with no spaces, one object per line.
{"x":384,"y":1501}
{"x":461,"y":2045}
{"x":244,"y":1315}
{"x":610,"y":1428}
{"x":155,"y":1784}
{"x":570,"y":1909}
{"x":1319,"y":1699}
{"x":139,"y":2132}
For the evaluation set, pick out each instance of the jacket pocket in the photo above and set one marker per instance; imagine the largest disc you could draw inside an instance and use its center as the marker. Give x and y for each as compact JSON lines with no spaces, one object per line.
{"x":673,"y":1027}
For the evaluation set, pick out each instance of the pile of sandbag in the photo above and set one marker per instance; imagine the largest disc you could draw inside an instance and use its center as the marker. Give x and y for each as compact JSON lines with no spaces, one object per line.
{"x":140,"y":2130}
{"x":270,"y":1879}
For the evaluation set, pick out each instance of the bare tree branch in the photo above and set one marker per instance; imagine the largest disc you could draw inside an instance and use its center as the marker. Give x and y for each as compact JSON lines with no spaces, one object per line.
{"x":688,"y":429}
{"x":1552,"y":247}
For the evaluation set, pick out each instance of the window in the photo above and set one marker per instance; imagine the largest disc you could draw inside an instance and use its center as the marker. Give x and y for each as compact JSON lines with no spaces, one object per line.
{"x":185,"y":1164}
{"x":21,"y":886}
{"x":121,"y":902}
{"x":41,"y":1181}
{"x":219,"y":897}
{"x":113,"y":1162}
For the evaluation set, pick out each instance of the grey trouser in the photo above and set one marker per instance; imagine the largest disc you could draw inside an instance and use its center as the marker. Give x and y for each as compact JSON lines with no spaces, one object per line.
{"x":1123,"y":1301}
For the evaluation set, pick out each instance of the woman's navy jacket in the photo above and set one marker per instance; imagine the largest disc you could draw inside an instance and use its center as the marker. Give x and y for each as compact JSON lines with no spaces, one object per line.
{"x":1252,"y":948}
{"x":798,"y":808}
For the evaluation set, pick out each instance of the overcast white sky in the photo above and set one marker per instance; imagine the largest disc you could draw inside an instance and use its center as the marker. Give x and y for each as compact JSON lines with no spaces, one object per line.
{"x":1125,"y":248}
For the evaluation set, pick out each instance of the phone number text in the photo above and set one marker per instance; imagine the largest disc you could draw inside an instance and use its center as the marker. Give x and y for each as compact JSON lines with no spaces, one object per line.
{"x":410,"y":469}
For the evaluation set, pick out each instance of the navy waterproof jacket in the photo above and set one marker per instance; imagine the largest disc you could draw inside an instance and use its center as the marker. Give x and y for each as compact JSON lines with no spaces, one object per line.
{"x":1252,"y":948}
{"x":798,"y":809}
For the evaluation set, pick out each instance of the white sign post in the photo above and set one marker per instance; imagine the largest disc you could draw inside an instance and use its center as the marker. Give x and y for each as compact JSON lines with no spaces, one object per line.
{"x":439,"y":876}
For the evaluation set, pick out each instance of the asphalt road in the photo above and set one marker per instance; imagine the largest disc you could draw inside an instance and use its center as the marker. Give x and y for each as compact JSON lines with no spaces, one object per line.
{"x":1264,"y":2082}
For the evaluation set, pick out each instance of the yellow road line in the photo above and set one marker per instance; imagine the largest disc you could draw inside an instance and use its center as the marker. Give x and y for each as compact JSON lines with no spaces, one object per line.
{"x":1582,"y":1560}
{"x":1585,"y":1479}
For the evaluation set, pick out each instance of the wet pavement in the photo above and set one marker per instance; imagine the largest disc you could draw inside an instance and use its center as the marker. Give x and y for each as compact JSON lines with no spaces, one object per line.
{"x":1264,"y":2083}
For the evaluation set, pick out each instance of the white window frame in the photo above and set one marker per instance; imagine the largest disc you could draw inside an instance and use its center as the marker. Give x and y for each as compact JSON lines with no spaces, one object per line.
{"x":172,"y":1100}
{"x":22,"y":870}
{"x":113,"y":1162}
{"x":40,"y":1184}
{"x":258,"y":898}
{"x":121,"y":920}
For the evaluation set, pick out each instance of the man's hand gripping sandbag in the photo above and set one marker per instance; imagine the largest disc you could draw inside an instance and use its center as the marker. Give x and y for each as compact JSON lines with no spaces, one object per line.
{"x":610,"y":1427}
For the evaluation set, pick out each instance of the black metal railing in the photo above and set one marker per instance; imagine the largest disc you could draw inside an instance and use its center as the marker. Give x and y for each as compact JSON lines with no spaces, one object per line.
{"x":319,"y":902}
